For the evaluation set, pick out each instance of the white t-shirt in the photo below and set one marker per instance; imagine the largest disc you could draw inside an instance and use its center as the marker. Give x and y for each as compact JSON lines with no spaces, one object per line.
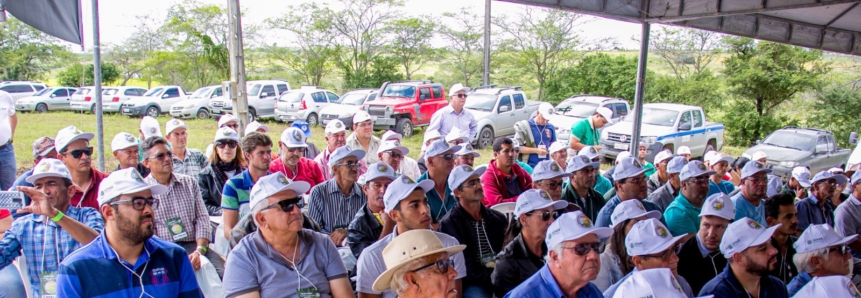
{"x":7,"y":109}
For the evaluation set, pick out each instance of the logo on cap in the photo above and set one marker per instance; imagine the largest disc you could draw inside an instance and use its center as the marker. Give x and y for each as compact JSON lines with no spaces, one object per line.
{"x":592,"y":150}
{"x":382,"y":168}
{"x":175,"y":122}
{"x":584,"y":221}
{"x":662,"y":232}
{"x":637,"y":163}
{"x":408,"y":180}
{"x":226,"y":133}
{"x":585,"y":159}
{"x":554,"y":167}
{"x":702,"y":167}
{"x":304,"y":127}
{"x":45,"y":168}
{"x":130,"y":138}
{"x":640,"y":205}
{"x":296,"y":136}
{"x":152,"y":130}
{"x":753,"y":224}
{"x":283,"y":180}
{"x":545,"y":195}
{"x":717,"y":205}
{"x":758,"y":165}
{"x":468,"y":168}
{"x":338,"y":125}
{"x":137,"y":177}
{"x":77,"y":131}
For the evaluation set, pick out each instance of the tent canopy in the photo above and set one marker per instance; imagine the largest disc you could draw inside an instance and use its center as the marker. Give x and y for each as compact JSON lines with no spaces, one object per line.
{"x":818,"y":24}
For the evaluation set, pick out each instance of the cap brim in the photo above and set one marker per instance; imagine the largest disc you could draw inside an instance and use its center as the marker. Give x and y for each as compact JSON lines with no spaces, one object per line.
{"x":297,"y":145}
{"x":384,"y":281}
{"x":181,"y":126}
{"x":156,"y":189}
{"x":765,"y":236}
{"x":845,"y":240}
{"x":556,"y":205}
{"x":602,"y":233}
{"x":468,"y":152}
{"x":649,"y":215}
{"x":453,"y":149}
{"x":379,"y":176}
{"x":46,"y":150}
{"x":32,"y":178}
{"x":668,"y":244}
{"x":84,"y":135}
{"x":593,"y":164}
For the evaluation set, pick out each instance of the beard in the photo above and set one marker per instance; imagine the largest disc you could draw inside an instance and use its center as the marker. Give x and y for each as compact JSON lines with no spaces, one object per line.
{"x":134,"y":233}
{"x":759,"y":269}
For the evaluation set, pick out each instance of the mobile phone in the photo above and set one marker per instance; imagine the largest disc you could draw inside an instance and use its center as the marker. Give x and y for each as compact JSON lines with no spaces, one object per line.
{"x":12,"y":200}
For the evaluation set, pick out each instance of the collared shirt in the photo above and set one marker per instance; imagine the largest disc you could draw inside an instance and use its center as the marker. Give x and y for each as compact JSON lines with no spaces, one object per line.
{"x":322,"y":160}
{"x":810,"y":213}
{"x":370,"y":153}
{"x":847,"y":219}
{"x":306,"y":170}
{"x":256,"y":266}
{"x":698,"y":264}
{"x":89,"y":196}
{"x":371,"y":265}
{"x":543,"y":285}
{"x":663,"y":196}
{"x":585,"y":132}
{"x":726,"y":285}
{"x":785,"y":268}
{"x":515,"y":264}
{"x":602,"y":185}
{"x":704,"y":251}
{"x":180,"y":205}
{"x":333,"y":210}
{"x":682,"y":216}
{"x":438,"y":207}
{"x":743,"y":208}
{"x":798,"y":282}
{"x":725,"y":187}
{"x":96,"y":271}
{"x":191,"y":165}
{"x":235,"y":194}
{"x":43,"y":242}
{"x":543,"y":135}
{"x":606,"y":211}
{"x":445,"y":119}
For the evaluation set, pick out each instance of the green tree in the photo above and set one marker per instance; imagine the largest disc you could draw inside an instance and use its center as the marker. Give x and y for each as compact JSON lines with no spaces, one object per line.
{"x":79,"y":75}
{"x":312,"y":31}
{"x":410,"y":44}
{"x":26,"y":53}
{"x":699,"y":88}
{"x":598,"y":74}
{"x":837,"y":109}
{"x":465,"y":46}
{"x":686,"y":51}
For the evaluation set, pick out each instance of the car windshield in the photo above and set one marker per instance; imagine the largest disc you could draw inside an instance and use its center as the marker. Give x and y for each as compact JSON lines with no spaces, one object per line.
{"x":82,"y":91}
{"x":791,"y":140}
{"x":291,"y":97}
{"x":110,"y":91}
{"x":255,"y":89}
{"x":659,"y":117}
{"x":352,"y":99}
{"x":201,"y":93}
{"x":481,"y":102}
{"x":44,"y":91}
{"x":400,"y":91}
{"x":576,"y":109}
{"x":154,"y":91}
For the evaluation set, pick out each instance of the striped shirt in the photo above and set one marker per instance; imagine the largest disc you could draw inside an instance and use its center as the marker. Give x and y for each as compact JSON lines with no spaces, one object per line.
{"x":191,"y":165}
{"x":235,"y":193}
{"x":180,"y":215}
{"x":43,"y":242}
{"x":331,"y":208}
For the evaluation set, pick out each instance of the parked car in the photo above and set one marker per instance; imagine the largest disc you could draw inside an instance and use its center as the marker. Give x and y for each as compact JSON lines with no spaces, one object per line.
{"x":579,"y":107}
{"x":347,"y":106}
{"x":403,"y":106}
{"x":155,"y":102}
{"x":792,"y":146}
{"x":53,"y":99}
{"x":112,"y":98}
{"x":665,"y":126}
{"x":196,"y":105}
{"x":496,"y":110}
{"x":261,"y":99}
{"x":21,"y":89}
{"x":304,"y":104}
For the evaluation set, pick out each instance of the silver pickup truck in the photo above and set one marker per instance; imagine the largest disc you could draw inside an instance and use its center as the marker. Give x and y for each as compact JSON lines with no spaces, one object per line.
{"x":791,"y":146}
{"x":496,"y":110}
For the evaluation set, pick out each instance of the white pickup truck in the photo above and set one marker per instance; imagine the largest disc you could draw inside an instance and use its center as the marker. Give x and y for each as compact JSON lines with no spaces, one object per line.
{"x":155,"y":102}
{"x":665,"y":126}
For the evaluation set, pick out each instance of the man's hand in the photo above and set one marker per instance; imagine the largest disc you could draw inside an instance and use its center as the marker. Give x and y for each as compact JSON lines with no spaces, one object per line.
{"x":541,"y":151}
{"x":338,"y":236}
{"x":597,"y":148}
{"x":195,"y":260}
{"x":39,"y":203}
{"x":801,"y":193}
{"x":387,"y":221}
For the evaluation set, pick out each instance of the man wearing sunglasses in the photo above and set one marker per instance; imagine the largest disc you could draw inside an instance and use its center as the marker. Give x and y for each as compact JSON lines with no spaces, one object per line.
{"x":454,"y":115}
{"x":126,"y":149}
{"x":408,"y":165}
{"x":181,"y":217}
{"x":650,"y":245}
{"x":405,"y":203}
{"x":334,"y":203}
{"x":51,"y":229}
{"x":73,"y":148}
{"x":430,"y":137}
{"x":292,"y":162}
{"x":440,"y":163}
{"x":504,"y":179}
{"x":683,"y":213}
{"x":393,"y":154}
{"x":125,"y":255}
{"x":821,"y":251}
{"x":572,"y":260}
{"x":481,"y":229}
{"x":363,"y":137}
{"x":815,"y":209}
{"x":419,"y":266}
{"x":630,"y":180}
{"x":750,"y":201}
{"x":186,"y":161}
{"x":371,"y":223}
{"x":664,"y":195}
{"x":579,"y":190}
{"x":336,"y":137}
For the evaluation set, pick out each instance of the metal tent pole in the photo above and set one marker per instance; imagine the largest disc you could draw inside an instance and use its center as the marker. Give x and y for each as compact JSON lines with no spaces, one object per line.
{"x":485,"y":78}
{"x":97,"y":79}
{"x":641,"y":85}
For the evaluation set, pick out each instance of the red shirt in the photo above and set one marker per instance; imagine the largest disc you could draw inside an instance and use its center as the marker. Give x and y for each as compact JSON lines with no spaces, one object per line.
{"x":4,"y":213}
{"x":307,"y":170}
{"x":91,"y":194}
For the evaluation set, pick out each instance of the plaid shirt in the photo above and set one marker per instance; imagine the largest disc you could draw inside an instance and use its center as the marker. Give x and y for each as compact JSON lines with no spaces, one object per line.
{"x":183,"y":201}
{"x":193,"y":163}
{"x":42,"y":240}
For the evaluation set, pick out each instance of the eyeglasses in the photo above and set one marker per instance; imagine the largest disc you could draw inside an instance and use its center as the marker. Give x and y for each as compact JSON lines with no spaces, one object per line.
{"x":472,"y":183}
{"x":441,"y":265}
{"x":77,"y":153}
{"x":234,"y":126}
{"x":460,"y":95}
{"x":843,"y":250}
{"x":583,"y":249}
{"x":664,"y":256}
{"x":294,"y":150}
{"x":349,"y":164}
{"x":162,"y":156}
{"x":635,"y":180}
{"x":449,"y":156}
{"x":363,"y":124}
{"x":699,"y":180}
{"x":228,"y":144}
{"x":138,"y":203}
{"x":288,"y":204}
{"x":551,"y":184}
{"x":545,"y":216}
{"x":395,"y":154}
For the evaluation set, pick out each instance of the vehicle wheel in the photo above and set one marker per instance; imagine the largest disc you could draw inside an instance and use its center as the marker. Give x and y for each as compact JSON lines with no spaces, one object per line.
{"x":312,"y":120}
{"x":404,"y":127}
{"x":710,"y":146}
{"x":202,"y":114}
{"x":153,"y":111}
{"x":93,"y":109}
{"x":41,"y":108}
{"x":485,"y":138}
{"x":252,"y":115}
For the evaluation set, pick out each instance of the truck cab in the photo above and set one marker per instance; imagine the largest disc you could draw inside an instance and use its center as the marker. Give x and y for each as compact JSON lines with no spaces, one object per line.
{"x":262,"y":96}
{"x":155,"y":102}
{"x":406,"y":105}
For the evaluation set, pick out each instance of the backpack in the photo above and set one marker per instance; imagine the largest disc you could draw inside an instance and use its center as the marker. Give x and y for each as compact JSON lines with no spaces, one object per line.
{"x":523,"y":134}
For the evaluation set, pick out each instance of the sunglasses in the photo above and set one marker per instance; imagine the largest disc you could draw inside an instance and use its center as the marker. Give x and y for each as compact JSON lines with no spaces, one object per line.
{"x":551,"y":184}
{"x":234,"y":126}
{"x":294,"y":150}
{"x":79,"y":152}
{"x":460,"y":95}
{"x":448,"y":156}
{"x":442,"y":265}
{"x":395,"y":155}
{"x":349,"y":164}
{"x":288,"y":204}
{"x":699,"y":180}
{"x":545,"y":216}
{"x":138,"y":203}
{"x":843,"y":250}
{"x":583,"y":249}
{"x":163,"y":156}
{"x":228,"y":144}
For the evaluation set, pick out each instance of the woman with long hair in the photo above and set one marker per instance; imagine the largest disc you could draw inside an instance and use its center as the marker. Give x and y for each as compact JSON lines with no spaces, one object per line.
{"x":225,"y":162}
{"x":615,"y":262}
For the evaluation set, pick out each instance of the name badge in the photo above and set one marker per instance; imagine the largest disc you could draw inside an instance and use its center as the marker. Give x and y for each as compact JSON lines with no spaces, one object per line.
{"x":488,"y":260}
{"x":308,"y":293}
{"x":176,"y":228}
{"x":49,"y":284}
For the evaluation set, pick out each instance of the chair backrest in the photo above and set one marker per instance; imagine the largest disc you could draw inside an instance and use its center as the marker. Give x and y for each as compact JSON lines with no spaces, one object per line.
{"x":504,"y":208}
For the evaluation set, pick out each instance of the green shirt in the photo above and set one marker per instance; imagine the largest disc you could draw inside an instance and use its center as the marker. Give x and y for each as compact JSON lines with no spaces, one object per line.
{"x":682,"y":217}
{"x":650,"y":168}
{"x":602,"y":185}
{"x":584,"y":132}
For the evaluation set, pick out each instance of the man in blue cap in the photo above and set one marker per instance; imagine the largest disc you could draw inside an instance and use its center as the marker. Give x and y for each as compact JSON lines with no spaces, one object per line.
{"x":750,"y":201}
{"x":311,"y":151}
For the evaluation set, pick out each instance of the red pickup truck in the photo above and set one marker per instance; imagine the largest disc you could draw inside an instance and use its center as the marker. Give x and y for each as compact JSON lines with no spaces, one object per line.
{"x":406,"y":105}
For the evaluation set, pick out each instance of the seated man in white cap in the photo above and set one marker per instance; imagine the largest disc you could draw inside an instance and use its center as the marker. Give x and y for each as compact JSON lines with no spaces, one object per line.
{"x":630,"y":183}
{"x":456,"y":137}
{"x":720,"y":165}
{"x":392,"y":153}
{"x":363,"y":137}
{"x":683,"y":214}
{"x":292,"y":162}
{"x":685,"y":151}
{"x":815,"y":209}
{"x":408,"y":165}
{"x":829,"y":286}
{"x":42,"y":148}
{"x":656,"y":172}
{"x":481,"y":229}
{"x":407,"y":205}
{"x":372,"y":223}
{"x":798,"y":183}
{"x":750,"y":256}
{"x":663,"y":196}
{"x":579,"y":191}
{"x":51,"y":220}
{"x":650,"y":245}
{"x":750,"y":201}
{"x":602,"y":184}
{"x":336,"y":137}
{"x":454,"y":115}
{"x":186,"y":161}
{"x":465,"y":156}
{"x":419,"y":266}
{"x":656,"y":282}
{"x":281,"y":259}
{"x":700,"y":258}
{"x":257,"y":149}
{"x":572,"y":261}
{"x":586,"y":132}
{"x":334,"y":203}
{"x":543,"y":135}
{"x":440,"y":157}
{"x":149,"y":127}
{"x":74,"y":150}
{"x":126,"y":149}
{"x":549,"y":176}
{"x":609,"y":174}
{"x":430,"y":137}
{"x":125,"y":252}
{"x":820,"y":252}
{"x":847,"y":217}
{"x":256,"y":126}
{"x":559,"y":153}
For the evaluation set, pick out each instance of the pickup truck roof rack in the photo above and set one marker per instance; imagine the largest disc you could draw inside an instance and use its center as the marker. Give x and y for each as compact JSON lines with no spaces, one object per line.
{"x":417,"y":81}
{"x":508,"y":88}
{"x":484,"y":87}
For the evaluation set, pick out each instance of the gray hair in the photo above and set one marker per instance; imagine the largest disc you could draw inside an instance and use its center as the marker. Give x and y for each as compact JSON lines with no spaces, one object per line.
{"x":149,"y":143}
{"x":398,"y":284}
{"x":256,"y":209}
{"x":802,"y":259}
{"x":556,"y":248}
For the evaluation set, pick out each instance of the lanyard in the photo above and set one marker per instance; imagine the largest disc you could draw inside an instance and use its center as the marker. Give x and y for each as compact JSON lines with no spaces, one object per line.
{"x":140,"y":276}
{"x":299,"y":275}
{"x":483,"y":231}
{"x":56,"y":245}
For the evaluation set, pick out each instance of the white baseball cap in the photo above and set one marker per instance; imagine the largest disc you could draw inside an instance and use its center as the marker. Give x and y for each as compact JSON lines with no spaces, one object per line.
{"x":389,"y":135}
{"x":272,"y":184}
{"x":361,"y":116}
{"x":461,"y":173}
{"x":752,"y":168}
{"x":631,"y":209}
{"x":430,"y":135}
{"x":515,"y":143}
{"x":683,"y":150}
{"x":825,"y":175}
{"x":572,"y":226}
{"x":548,"y":169}
{"x":457,"y":87}
{"x":293,"y":138}
{"x":254,"y":126}
{"x":715,"y":157}
{"x":545,"y":109}
{"x":648,"y":237}
{"x":742,"y":234}
{"x":774,"y":186}
{"x":401,"y":188}
{"x":662,"y":156}
{"x":42,"y":146}
{"x":677,"y":164}
{"x":49,"y":167}
{"x":588,"y":151}
{"x":831,"y":286}
{"x":466,"y":149}
{"x":406,"y":248}
{"x":440,"y":147}
{"x":628,"y":167}
{"x":125,"y":181}
{"x":224,"y":119}
{"x":556,"y":147}
{"x":150,"y":127}
{"x":393,"y":145}
{"x":344,"y":152}
{"x":622,"y":155}
{"x":605,"y":112}
{"x":579,"y":162}
{"x":173,"y":124}
{"x":379,"y":170}
{"x":534,"y":199}
{"x":719,"y":205}
{"x":68,"y":135}
{"x":820,"y":236}
{"x":456,"y":134}
{"x":226,"y":133}
{"x":335,"y":126}
{"x":655,"y":282}
{"x":124,"y":140}
{"x":759,"y":155}
{"x":694,"y":168}
{"x":802,"y":175}
{"x":855,"y":177}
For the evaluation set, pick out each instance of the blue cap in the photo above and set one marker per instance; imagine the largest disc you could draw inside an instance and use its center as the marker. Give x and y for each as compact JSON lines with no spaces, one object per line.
{"x":303,"y":126}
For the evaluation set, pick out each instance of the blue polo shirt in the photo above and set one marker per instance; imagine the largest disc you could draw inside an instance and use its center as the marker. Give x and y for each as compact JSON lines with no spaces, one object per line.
{"x":809,"y":213}
{"x":724,"y":187}
{"x":438,"y":208}
{"x":604,"y":214}
{"x":798,"y":282}
{"x":726,"y":285}
{"x":743,"y":209}
{"x":543,"y":135}
{"x":95,"y":271}
{"x":682,"y":216}
{"x":542,"y":284}
{"x":602,"y":185}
